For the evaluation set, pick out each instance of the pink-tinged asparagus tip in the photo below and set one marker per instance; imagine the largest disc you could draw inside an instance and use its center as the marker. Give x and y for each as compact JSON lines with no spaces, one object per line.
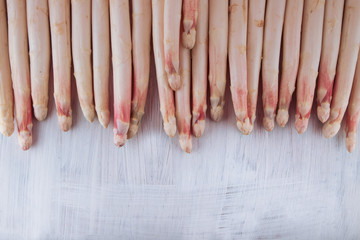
{"x":119,"y":139}
{"x":89,"y":112}
{"x":170,"y":126}
{"x":282,"y":117}
{"x":25,"y":140}
{"x":65,"y":122}
{"x":350,"y":141}
{"x":323,"y":112}
{"x":245,"y":126}
{"x":217,"y":109}
{"x":188,"y":39}
{"x":104,"y":117}
{"x":7,"y":128}
{"x":331,"y":129}
{"x":40,"y":112}
{"x":174,"y":81}
{"x":185,"y":142}
{"x":268,"y":123}
{"x":301,"y":123}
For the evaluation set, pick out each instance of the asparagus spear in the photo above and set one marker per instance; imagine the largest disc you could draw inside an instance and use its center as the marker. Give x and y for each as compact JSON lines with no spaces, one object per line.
{"x":59,"y":12}
{"x":290,"y":57}
{"x":101,"y":58}
{"x":312,"y":26}
{"x":349,"y":48}
{"x":6,"y":92}
{"x":81,"y":48}
{"x":182,"y":99}
{"x":19,"y":62}
{"x":218,"y":42}
{"x":190,"y":15}
{"x":141,"y":35}
{"x":122,"y":67}
{"x":238,"y":63}
{"x":39,"y":45}
{"x":200,"y":70}
{"x":172,"y":19}
{"x":253,"y":54}
{"x":274,"y":20}
{"x":353,"y":112}
{"x":329,"y":56}
{"x":166,"y":95}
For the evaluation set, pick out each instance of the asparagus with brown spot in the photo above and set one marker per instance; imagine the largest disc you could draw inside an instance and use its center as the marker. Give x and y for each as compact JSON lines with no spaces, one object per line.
{"x":199,"y":70}
{"x":329,"y":55}
{"x":218,"y":46}
{"x":81,"y":49}
{"x":101,"y":58}
{"x":20,"y":69}
{"x":190,"y":15}
{"x":290,"y":58}
{"x":349,"y":48}
{"x":39,"y":46}
{"x":141,"y":36}
{"x":166,"y":95}
{"x":6,"y":91}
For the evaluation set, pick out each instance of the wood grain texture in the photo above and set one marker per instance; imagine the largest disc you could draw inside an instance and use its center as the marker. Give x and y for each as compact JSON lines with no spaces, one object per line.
{"x":278,"y":185}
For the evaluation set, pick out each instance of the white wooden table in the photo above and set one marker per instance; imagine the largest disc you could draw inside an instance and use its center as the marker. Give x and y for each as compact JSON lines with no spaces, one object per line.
{"x":278,"y":185}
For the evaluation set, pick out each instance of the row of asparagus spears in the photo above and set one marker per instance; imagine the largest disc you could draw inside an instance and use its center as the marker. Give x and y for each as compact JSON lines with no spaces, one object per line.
{"x":307,"y":44}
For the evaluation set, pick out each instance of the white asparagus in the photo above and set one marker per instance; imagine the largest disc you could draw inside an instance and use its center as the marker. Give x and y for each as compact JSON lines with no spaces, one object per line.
{"x":59,"y":12}
{"x":20,"y":69}
{"x":290,"y":57}
{"x":329,"y":55}
{"x":274,"y":19}
{"x":141,"y":37}
{"x":39,"y":46}
{"x":182,"y":99}
{"x":310,"y":50}
{"x":349,"y":48}
{"x":6,"y":92}
{"x":218,"y":42}
{"x":353,"y":111}
{"x":237,"y":62}
{"x":81,"y":50}
{"x":172,"y":19}
{"x":200,"y":69}
{"x":101,"y":58}
{"x":190,"y":15}
{"x":255,"y":32}
{"x":166,"y":95}
{"x":122,"y":67}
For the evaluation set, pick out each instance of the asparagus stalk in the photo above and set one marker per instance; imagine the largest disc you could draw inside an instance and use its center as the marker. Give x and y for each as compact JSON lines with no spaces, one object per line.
{"x":81,"y":48}
{"x":349,"y":48}
{"x":238,"y":62}
{"x":312,"y":26}
{"x":182,"y":99}
{"x":329,"y":55}
{"x":6,"y":92}
{"x":353,"y":112}
{"x":122,"y":67}
{"x":101,"y":58}
{"x":290,"y":57}
{"x":200,"y":70}
{"x":39,"y":45}
{"x":141,"y":35}
{"x":274,"y":20}
{"x":190,"y":15}
{"x":19,"y":62}
{"x":172,"y":19}
{"x":59,"y":12}
{"x":253,"y":54}
{"x":218,"y":42}
{"x":166,"y":95}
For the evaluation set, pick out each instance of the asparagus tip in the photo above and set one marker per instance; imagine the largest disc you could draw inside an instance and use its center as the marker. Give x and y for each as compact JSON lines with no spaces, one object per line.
{"x":89,"y":112}
{"x":174,"y":81}
{"x":25,"y":140}
{"x":185,"y":142}
{"x":323,"y":112}
{"x":104,"y":117}
{"x":217,"y":113}
{"x":65,"y":122}
{"x":7,"y":128}
{"x":119,"y":139}
{"x":198,"y":128}
{"x":350,"y":141}
{"x":301,"y":123}
{"x":282,"y":117}
{"x":268,"y":123}
{"x":133,"y":129}
{"x":170,"y":126}
{"x":245,"y":126}
{"x":40,"y":112}
{"x":188,"y":39}
{"x":331,"y":129}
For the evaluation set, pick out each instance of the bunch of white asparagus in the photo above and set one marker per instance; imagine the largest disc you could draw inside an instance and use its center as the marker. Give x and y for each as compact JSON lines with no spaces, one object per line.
{"x":289,"y":41}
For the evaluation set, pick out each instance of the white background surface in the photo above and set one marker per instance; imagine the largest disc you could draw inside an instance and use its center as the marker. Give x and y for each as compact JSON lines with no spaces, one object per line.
{"x":278,"y":185}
